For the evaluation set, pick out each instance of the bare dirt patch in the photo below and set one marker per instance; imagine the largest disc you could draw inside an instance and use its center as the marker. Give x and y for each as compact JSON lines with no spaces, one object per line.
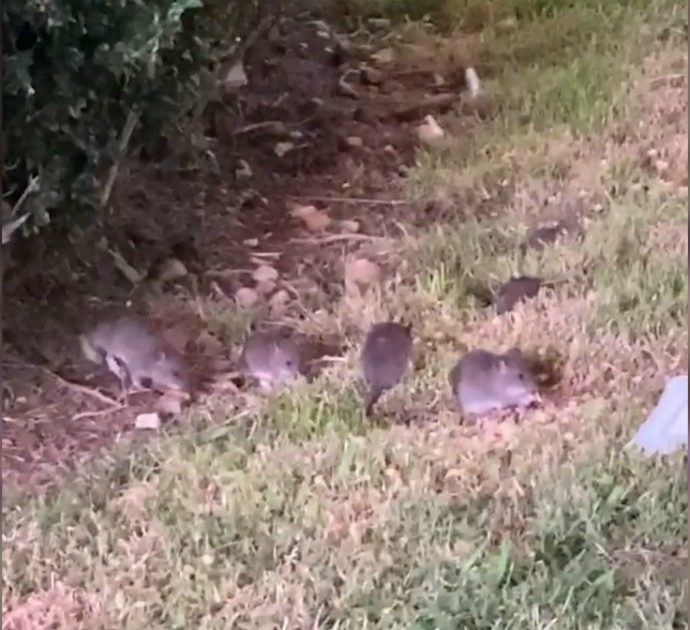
{"x":322,"y":123}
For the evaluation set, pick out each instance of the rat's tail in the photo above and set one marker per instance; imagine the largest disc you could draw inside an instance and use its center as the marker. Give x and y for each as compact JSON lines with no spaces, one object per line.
{"x":371,"y":399}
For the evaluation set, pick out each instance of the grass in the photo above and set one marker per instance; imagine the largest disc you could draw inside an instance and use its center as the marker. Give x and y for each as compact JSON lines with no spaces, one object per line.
{"x":306,"y":516}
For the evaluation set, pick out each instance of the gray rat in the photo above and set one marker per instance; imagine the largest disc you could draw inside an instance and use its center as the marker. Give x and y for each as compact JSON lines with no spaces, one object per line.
{"x":538,"y":237}
{"x":385,"y":356}
{"x":515,"y":290}
{"x":271,"y":357}
{"x":483,"y":381}
{"x":520,"y":288}
{"x":138,"y":355}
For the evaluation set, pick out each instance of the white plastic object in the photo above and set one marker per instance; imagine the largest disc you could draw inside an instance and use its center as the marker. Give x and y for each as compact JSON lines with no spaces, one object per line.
{"x":666,"y":428}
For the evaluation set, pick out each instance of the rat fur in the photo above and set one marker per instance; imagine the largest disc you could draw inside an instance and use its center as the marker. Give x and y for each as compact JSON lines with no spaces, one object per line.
{"x":385,"y":357}
{"x":132,"y":350}
{"x":482,"y":381}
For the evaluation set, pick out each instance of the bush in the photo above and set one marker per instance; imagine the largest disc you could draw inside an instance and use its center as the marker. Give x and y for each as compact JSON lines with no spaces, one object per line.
{"x":84,"y":79}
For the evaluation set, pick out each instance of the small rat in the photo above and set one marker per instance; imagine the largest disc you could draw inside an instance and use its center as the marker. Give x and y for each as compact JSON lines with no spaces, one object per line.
{"x":538,"y":237}
{"x":385,"y":356}
{"x":483,"y":381}
{"x":271,"y":357}
{"x":516,"y":290}
{"x":133,"y":351}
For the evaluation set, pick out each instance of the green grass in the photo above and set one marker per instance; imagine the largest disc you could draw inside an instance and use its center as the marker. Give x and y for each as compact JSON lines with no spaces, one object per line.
{"x":304,"y":515}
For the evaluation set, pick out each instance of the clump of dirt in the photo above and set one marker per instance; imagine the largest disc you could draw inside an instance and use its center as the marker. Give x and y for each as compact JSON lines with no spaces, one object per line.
{"x":327,"y":119}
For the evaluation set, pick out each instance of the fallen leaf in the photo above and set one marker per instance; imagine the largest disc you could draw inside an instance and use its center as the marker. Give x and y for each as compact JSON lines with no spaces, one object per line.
{"x":430,"y":131}
{"x":282,"y":148}
{"x":278,"y":302}
{"x":383,"y":56}
{"x":171,"y":270}
{"x":246,"y":297}
{"x":361,"y":272}
{"x":265,"y":273}
{"x":354,"y":141}
{"x":236,"y":77}
{"x":147,"y":421}
{"x":350,"y":226}
{"x":315,"y":219}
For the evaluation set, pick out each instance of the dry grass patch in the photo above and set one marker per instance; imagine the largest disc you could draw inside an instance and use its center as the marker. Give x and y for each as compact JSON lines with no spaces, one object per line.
{"x":303,"y":515}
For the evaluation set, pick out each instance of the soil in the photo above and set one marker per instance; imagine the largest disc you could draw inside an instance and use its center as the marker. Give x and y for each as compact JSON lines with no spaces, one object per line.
{"x":351,"y":122}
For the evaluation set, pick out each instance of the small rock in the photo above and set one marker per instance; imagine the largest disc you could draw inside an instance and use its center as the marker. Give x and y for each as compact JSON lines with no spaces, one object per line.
{"x":265,"y":273}
{"x":171,"y":270}
{"x":361,"y":271}
{"x":661,"y":166}
{"x":430,"y":131}
{"x":151,"y":421}
{"x":314,"y":219}
{"x":349,"y":226}
{"x":354,"y":141}
{"x":251,"y":242}
{"x":243,"y":170}
{"x":283,"y":148}
{"x":246,"y":297}
{"x":265,"y":287}
{"x":382,"y":23}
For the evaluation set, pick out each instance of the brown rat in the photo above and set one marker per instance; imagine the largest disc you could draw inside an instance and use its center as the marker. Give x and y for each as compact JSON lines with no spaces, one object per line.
{"x":538,"y":237}
{"x":272,"y":357}
{"x":137,"y":354}
{"x":482,"y":381}
{"x":516,"y":290}
{"x":385,"y":357}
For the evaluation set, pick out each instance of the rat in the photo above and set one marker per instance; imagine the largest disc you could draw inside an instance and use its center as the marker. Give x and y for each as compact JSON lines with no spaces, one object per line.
{"x":516,"y":290}
{"x":271,"y":357}
{"x":385,"y":356}
{"x":132,"y":350}
{"x":482,"y":381}
{"x":520,"y":288}
{"x":538,"y":237}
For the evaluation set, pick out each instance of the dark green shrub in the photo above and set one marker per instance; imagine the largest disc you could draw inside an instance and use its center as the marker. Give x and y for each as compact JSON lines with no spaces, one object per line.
{"x":83,"y":77}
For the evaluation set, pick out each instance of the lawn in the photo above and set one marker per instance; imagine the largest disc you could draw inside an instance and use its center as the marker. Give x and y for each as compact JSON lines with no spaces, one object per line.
{"x":307,"y":516}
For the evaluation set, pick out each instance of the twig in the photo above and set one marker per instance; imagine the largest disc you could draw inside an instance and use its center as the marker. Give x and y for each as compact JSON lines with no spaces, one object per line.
{"x":260,"y":125}
{"x":125,"y":137}
{"x":32,"y":186}
{"x":363,"y":200}
{"x":94,"y":414}
{"x":334,"y":238}
{"x":83,"y":389}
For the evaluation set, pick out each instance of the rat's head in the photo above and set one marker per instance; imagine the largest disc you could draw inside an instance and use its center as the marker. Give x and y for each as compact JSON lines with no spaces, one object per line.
{"x":169,"y":370}
{"x":285,"y":364}
{"x":515,"y":380}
